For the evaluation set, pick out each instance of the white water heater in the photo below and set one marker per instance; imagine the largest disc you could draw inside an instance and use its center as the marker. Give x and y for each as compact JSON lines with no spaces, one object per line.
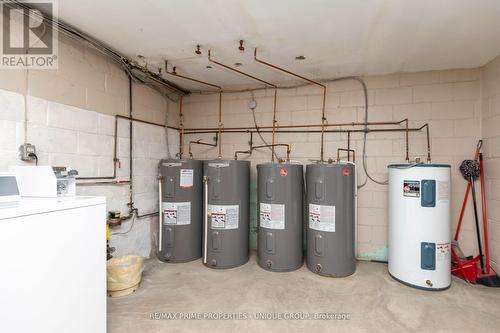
{"x":420,"y":225}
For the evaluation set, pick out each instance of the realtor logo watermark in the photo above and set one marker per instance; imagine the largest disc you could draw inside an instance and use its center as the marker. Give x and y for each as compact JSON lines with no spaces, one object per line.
{"x":29,"y":38}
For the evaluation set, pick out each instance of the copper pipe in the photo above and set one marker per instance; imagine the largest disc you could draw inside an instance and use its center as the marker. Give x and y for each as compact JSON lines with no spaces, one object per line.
{"x":288,"y":149}
{"x":116,"y":160}
{"x":192,"y":79}
{"x":348,"y":140}
{"x":426,"y":126}
{"x":220,"y":125}
{"x":310,"y":131}
{"x":181,"y":126}
{"x":259,"y":80}
{"x":181,"y":134}
{"x":199,"y":142}
{"x":349,"y":151}
{"x":249,"y":152}
{"x":372,"y":123}
{"x":323,"y":118}
{"x":112,"y":182}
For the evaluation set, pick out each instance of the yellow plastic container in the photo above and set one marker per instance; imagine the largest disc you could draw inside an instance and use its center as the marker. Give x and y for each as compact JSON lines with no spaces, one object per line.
{"x":124,"y":275}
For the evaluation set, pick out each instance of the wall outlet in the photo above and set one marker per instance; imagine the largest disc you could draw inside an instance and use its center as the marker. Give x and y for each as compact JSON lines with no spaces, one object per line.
{"x":27,"y":152}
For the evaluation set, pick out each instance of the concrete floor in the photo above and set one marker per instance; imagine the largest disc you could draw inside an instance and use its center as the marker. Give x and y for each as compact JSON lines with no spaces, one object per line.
{"x":374,"y":301}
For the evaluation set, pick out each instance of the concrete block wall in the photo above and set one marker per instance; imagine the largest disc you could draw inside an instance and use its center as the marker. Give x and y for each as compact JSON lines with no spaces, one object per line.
{"x":447,"y":100}
{"x":491,"y":134}
{"x":70,"y":118}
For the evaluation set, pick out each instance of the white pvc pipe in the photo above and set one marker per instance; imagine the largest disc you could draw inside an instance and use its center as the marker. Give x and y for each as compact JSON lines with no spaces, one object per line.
{"x":160,"y":217}
{"x":205,"y":218}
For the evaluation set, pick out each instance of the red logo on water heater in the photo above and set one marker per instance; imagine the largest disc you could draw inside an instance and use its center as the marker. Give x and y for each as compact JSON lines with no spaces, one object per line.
{"x":283,"y":172}
{"x":345,"y":172}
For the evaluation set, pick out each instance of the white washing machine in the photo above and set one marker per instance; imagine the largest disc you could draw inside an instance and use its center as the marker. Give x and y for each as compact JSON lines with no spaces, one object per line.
{"x":53,"y":265}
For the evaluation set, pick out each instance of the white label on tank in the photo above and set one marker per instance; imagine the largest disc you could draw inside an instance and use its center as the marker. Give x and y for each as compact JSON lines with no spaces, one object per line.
{"x":443,"y":190}
{"x":224,"y":216}
{"x":272,"y":216}
{"x":322,"y":218}
{"x":176,"y":213}
{"x":186,"y":178}
{"x":218,"y":165}
{"x":411,"y":188}
{"x":443,"y":251}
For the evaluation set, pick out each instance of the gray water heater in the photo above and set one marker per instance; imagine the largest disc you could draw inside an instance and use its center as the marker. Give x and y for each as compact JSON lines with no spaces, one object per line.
{"x":226,"y":213}
{"x":330,"y":190}
{"x":181,"y":206}
{"x":280,"y":212}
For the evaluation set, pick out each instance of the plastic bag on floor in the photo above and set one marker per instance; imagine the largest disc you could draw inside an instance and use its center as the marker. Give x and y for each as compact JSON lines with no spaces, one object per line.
{"x":124,"y":272}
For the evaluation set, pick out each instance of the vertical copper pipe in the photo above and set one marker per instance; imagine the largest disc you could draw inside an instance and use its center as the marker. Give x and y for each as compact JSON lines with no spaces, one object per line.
{"x":220,"y":125}
{"x":323,"y":108}
{"x":348,"y":140}
{"x":257,"y":79}
{"x":181,"y":127}
{"x":274,"y":123}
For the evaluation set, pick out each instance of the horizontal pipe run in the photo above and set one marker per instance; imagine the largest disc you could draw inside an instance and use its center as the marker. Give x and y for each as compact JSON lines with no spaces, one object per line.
{"x":371,"y":123}
{"x":309,"y":131}
{"x":147,"y":215}
{"x":116,"y":182}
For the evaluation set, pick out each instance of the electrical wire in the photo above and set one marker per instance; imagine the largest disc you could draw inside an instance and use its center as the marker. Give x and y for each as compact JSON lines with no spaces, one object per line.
{"x":34,"y":156}
{"x":155,"y":81}
{"x":258,"y":129}
{"x":134,"y":215}
{"x":363,"y":157}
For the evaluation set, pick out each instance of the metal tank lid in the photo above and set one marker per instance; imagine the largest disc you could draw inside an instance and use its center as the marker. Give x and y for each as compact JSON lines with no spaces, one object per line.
{"x":226,"y":161}
{"x":276,"y":164}
{"x":419,"y":165}
{"x":334,"y":164}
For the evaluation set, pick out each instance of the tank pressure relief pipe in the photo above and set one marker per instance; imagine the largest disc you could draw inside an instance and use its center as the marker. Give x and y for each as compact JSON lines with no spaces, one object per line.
{"x":205,"y":218}
{"x":160,"y":216}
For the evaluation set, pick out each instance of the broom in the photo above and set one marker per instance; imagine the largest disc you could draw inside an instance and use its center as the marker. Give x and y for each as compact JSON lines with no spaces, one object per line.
{"x":470,"y":171}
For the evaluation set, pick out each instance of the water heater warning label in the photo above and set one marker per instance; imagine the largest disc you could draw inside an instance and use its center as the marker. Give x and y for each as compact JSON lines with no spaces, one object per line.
{"x":411,"y":188}
{"x":176,"y":213}
{"x":443,"y":251}
{"x":443,"y":190}
{"x":186,"y":178}
{"x":223,"y":216}
{"x":322,"y":218}
{"x":272,"y":216}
